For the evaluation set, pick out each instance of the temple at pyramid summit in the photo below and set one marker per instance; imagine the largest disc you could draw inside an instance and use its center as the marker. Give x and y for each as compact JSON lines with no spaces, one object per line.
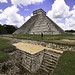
{"x":39,"y":23}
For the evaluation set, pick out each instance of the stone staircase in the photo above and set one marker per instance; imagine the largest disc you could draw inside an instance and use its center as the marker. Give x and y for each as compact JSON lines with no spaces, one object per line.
{"x":49,"y":62}
{"x":40,"y":25}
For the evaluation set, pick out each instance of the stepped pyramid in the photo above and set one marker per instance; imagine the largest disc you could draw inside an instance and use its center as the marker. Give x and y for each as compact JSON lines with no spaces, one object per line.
{"x":39,"y":23}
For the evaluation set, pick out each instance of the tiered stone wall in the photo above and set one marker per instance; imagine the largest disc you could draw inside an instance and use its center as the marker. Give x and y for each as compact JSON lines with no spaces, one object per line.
{"x":22,"y":63}
{"x":49,"y":45}
{"x":32,"y":62}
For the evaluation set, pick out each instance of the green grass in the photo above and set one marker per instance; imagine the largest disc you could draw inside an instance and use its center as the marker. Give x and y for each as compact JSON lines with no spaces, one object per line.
{"x":3,"y":56}
{"x":47,"y":38}
{"x":3,"y":44}
{"x":50,"y":37}
{"x":66,"y":64}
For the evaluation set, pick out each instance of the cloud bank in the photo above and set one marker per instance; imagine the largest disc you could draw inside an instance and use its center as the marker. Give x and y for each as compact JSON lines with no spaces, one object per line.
{"x":60,"y":10}
{"x":12,"y":17}
{"x":25,"y":2}
{"x":3,"y":1}
{"x":10,"y":14}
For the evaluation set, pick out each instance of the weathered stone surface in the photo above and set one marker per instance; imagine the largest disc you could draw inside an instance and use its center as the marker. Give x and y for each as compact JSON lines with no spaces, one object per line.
{"x":9,"y":50}
{"x":39,"y":23}
{"x":49,"y":45}
{"x":42,"y":63}
{"x":32,"y":62}
{"x":23,"y":63}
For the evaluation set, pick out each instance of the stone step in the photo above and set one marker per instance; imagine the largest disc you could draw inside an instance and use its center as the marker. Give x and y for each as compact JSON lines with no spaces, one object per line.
{"x":55,"y":55}
{"x":47,"y":62}
{"x":44,"y":69}
{"x":51,"y":56}
{"x":40,"y":29}
{"x":50,"y":60}
{"x":47,"y":65}
{"x":48,"y":69}
{"x":42,"y":26}
{"x":56,"y":52}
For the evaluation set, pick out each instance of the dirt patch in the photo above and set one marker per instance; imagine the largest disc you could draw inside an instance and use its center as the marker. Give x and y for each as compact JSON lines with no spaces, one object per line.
{"x":67,"y":40}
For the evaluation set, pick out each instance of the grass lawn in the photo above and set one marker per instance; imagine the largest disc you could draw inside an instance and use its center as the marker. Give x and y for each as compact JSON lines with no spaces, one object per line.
{"x":47,"y":38}
{"x":3,"y":56}
{"x":66,"y":64}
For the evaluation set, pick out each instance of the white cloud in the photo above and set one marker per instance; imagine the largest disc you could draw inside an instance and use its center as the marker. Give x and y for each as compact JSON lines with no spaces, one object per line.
{"x":2,"y":16}
{"x":0,"y":23}
{"x":32,"y":14}
{"x":74,"y":7}
{"x":3,"y":1}
{"x":61,"y":25}
{"x":72,"y":13}
{"x":25,"y":2}
{"x":27,"y":18}
{"x":1,"y":10}
{"x":59,"y":10}
{"x":70,"y":22}
{"x":12,"y":17}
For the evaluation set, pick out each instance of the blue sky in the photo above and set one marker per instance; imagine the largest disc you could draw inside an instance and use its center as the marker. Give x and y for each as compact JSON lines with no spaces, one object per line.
{"x":16,"y":12}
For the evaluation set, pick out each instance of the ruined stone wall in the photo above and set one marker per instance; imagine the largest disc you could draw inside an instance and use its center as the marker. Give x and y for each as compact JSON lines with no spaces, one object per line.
{"x":42,"y":63}
{"x":32,"y":62}
{"x":50,"y":45}
{"x":23,"y":63}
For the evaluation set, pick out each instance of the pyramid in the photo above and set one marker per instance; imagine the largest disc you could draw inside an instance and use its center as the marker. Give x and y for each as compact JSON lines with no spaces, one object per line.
{"x":39,"y":23}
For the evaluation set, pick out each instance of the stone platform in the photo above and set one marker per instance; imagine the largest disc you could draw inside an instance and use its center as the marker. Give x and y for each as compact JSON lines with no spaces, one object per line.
{"x":36,"y":58}
{"x":32,"y":49}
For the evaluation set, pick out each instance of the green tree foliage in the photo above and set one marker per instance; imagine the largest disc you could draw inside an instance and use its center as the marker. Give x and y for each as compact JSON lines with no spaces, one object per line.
{"x":70,"y":31}
{"x":2,"y":30}
{"x":7,"y":29}
{"x":10,"y":28}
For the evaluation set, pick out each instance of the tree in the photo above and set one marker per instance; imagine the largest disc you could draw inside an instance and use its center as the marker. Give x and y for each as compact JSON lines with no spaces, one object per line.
{"x":70,"y":31}
{"x":10,"y":28}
